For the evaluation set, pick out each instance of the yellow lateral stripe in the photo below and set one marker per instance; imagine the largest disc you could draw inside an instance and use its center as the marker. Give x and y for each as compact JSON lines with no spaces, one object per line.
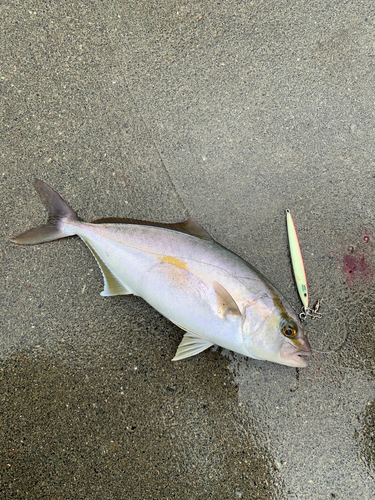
{"x":173,"y":260}
{"x":297,"y":261}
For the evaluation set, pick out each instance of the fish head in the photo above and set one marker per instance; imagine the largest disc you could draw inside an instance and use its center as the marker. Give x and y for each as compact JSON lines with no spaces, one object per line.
{"x":272,"y":331}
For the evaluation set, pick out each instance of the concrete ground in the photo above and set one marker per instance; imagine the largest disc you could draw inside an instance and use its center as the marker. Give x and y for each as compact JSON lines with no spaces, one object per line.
{"x":230,"y":112}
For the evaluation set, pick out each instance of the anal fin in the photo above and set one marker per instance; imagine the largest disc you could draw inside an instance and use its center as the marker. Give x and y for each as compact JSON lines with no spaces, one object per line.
{"x":112,"y":286}
{"x":191,"y":345}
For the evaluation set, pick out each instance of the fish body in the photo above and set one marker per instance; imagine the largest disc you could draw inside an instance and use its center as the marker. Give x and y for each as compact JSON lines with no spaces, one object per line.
{"x":204,"y":288}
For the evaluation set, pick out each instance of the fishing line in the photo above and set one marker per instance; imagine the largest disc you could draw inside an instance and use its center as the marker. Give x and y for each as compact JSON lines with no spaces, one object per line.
{"x":342,"y":327}
{"x":187,"y":214}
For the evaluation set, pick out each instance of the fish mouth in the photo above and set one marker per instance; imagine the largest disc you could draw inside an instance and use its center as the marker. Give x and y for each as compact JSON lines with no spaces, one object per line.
{"x":293,"y":356}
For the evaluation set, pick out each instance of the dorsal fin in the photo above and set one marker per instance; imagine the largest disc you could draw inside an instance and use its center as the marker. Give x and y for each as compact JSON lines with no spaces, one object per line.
{"x":189,"y":226}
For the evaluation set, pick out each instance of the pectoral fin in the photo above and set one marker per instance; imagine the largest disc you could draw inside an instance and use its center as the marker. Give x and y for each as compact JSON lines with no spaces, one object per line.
{"x":226,"y":305}
{"x":112,"y":285}
{"x":191,"y":344}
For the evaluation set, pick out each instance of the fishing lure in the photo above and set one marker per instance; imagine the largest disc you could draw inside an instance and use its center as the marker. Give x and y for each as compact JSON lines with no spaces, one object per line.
{"x":297,"y":261}
{"x":299,"y":272}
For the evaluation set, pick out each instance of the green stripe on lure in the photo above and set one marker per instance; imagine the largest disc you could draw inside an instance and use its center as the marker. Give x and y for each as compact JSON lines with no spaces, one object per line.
{"x":205,"y":289}
{"x":297,"y":261}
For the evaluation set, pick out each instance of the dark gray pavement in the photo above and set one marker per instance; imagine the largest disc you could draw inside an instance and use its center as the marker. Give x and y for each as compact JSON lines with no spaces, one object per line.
{"x":230,"y":112}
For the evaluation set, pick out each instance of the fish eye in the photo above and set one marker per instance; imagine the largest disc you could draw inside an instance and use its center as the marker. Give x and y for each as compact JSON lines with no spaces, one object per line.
{"x":289,"y":329}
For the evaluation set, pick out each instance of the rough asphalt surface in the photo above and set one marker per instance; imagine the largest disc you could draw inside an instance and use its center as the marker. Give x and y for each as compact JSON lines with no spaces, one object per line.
{"x":230,"y":112}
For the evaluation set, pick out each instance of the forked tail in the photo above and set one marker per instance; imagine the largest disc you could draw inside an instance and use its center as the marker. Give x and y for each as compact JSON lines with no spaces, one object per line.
{"x":58,"y":211}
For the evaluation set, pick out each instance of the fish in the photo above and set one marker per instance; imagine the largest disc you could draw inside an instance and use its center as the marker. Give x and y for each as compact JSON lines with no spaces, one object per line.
{"x":208,"y":291}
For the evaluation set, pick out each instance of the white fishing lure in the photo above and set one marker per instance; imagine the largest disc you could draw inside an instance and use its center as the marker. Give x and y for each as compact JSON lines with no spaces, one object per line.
{"x":297,"y":261}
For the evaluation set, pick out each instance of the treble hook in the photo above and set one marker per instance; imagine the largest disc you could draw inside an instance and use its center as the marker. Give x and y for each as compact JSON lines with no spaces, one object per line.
{"x":313,"y":313}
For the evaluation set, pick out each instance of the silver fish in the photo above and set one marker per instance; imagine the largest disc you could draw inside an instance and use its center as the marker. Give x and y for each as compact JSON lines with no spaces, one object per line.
{"x":205,"y":289}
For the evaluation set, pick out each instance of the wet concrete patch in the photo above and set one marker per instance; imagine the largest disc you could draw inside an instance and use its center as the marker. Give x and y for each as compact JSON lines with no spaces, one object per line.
{"x":106,"y":421}
{"x":310,"y":423}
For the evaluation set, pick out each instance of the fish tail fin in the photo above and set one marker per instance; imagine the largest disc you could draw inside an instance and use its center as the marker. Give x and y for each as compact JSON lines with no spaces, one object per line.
{"x":58,"y":210}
